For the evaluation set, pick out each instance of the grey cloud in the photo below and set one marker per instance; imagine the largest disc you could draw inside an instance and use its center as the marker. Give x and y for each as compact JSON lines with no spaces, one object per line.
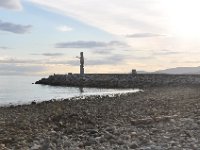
{"x":71,"y":62}
{"x":10,"y":4}
{"x":4,"y":47}
{"x":50,"y":54}
{"x":165,"y":52}
{"x":31,"y":61}
{"x":53,"y":54}
{"x":13,"y":69}
{"x":17,"y":61}
{"x":90,"y":44}
{"x":14,"y":28}
{"x":144,"y":35}
{"x":140,"y":57}
{"x":102,"y":51}
{"x":111,"y":60}
{"x":189,"y":62}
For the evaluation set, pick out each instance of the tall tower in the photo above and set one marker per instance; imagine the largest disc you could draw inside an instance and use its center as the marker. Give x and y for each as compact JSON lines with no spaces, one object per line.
{"x":81,"y":64}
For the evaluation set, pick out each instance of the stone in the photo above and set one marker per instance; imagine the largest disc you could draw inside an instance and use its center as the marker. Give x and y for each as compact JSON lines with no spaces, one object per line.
{"x":120,"y":142}
{"x":90,"y":142}
{"x":133,"y":145}
{"x":102,"y":139}
{"x":109,"y":136}
{"x":143,"y":121}
{"x":125,"y":137}
{"x":35,"y":146}
{"x":88,"y":148}
{"x":33,"y":102}
{"x":92,"y":131}
{"x":2,"y":145}
{"x":172,"y":143}
{"x":110,"y":129}
{"x":133,"y":134}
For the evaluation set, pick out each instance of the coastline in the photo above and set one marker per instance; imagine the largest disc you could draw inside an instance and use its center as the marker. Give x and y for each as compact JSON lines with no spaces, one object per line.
{"x":65,"y":93}
{"x":158,"y":118}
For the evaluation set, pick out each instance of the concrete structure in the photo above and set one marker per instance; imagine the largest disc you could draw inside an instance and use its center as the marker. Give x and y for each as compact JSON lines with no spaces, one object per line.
{"x":81,"y":64}
{"x":134,"y":71}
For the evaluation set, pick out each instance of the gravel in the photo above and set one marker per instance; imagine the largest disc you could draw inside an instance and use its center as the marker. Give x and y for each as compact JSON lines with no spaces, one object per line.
{"x":155,"y":119}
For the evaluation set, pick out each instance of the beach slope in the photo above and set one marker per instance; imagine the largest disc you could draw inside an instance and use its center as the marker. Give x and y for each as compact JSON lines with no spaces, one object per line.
{"x":158,"y":118}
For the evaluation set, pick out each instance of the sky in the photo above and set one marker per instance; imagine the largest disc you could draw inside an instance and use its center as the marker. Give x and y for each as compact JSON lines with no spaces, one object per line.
{"x":42,"y":37}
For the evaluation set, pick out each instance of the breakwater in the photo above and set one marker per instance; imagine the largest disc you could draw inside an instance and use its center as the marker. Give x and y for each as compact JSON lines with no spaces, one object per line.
{"x":120,"y":80}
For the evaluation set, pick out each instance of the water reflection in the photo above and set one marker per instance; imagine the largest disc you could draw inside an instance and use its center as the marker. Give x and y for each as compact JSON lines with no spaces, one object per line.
{"x":81,"y":90}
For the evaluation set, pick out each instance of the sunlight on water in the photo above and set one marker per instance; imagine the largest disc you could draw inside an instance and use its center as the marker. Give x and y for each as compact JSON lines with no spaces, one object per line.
{"x":20,"y":90}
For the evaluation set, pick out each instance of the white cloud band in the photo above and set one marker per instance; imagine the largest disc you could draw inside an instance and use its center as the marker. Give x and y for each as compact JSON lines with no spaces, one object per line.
{"x":11,"y":4}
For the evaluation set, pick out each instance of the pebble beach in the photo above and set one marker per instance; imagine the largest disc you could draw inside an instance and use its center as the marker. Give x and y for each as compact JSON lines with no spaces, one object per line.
{"x":156,"y":118}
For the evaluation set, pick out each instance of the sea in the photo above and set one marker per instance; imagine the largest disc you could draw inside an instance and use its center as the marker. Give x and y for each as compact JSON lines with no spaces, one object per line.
{"x":18,"y":90}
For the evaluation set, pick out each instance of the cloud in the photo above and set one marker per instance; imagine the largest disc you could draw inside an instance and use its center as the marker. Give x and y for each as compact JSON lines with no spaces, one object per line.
{"x":14,"y":28}
{"x":111,"y":60}
{"x":141,"y":57}
{"x":64,"y":28}
{"x":90,"y":44}
{"x":144,"y":35}
{"x":17,"y":61}
{"x":117,"y":17}
{"x":11,"y":4}
{"x":147,"y":23}
{"x":104,"y":51}
{"x":165,"y":52}
{"x":4,"y":47}
{"x":30,"y":61}
{"x":50,"y":54}
{"x":190,"y":62}
{"x":14,"y":69}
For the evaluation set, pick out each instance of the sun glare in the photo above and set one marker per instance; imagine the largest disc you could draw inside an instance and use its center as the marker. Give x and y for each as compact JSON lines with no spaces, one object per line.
{"x":183,"y":17}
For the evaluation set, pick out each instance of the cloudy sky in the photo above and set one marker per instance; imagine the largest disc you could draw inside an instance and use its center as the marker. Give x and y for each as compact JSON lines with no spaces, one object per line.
{"x":41,"y":37}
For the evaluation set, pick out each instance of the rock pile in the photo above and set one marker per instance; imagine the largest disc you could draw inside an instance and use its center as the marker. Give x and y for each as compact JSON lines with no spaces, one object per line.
{"x":121,"y":80}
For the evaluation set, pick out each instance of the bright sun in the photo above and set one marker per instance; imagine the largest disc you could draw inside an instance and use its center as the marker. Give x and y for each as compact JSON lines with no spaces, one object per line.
{"x":183,"y":17}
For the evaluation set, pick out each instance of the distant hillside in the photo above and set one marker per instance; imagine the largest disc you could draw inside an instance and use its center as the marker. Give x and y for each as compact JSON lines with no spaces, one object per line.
{"x":181,"y":70}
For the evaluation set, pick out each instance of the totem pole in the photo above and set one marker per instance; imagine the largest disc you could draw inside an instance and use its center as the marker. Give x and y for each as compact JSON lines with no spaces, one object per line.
{"x":81,"y":64}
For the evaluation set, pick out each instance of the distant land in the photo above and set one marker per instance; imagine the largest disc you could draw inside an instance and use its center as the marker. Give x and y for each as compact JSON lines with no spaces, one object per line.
{"x":177,"y":70}
{"x":180,"y":70}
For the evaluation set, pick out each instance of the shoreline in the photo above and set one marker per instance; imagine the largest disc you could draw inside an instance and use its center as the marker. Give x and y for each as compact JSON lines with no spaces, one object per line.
{"x":158,"y":118}
{"x":110,"y":92}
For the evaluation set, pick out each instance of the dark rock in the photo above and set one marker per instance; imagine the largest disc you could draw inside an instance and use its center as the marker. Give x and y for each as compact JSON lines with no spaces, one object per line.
{"x":33,"y":102}
{"x":133,"y":145}
{"x":90,"y":142}
{"x":92,"y":131}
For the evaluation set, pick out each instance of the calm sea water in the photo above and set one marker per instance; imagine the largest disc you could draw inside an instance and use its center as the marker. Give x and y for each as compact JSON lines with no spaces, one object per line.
{"x":20,"y":90}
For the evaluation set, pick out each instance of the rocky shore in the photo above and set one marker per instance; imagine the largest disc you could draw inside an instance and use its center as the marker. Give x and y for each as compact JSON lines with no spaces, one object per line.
{"x":156,"y":119}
